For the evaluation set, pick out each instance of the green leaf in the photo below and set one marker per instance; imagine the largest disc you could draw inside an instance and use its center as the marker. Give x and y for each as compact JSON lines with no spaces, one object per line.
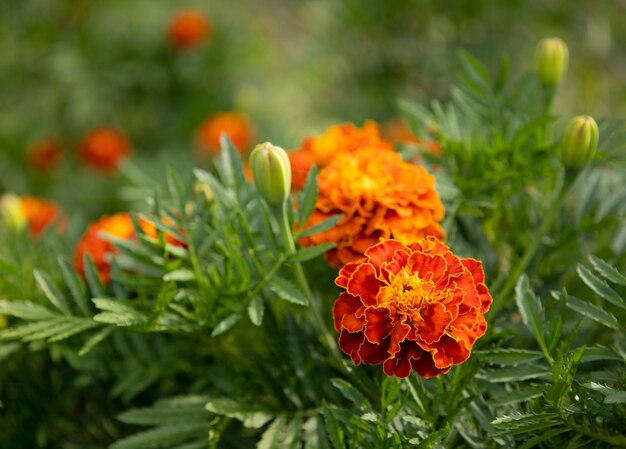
{"x":351,"y":393}
{"x":475,"y":70}
{"x":600,"y":287}
{"x":319,"y":227}
{"x":51,"y":292}
{"x":593,"y":312}
{"x":52,"y":330}
{"x":505,"y":357}
{"x":310,"y":253}
{"x":335,"y":435}
{"x":251,"y":416}
{"x":515,"y":373}
{"x":519,"y":424}
{"x":93,"y":277}
{"x":513,"y":397}
{"x":226,"y":324}
{"x":26,"y":310}
{"x":166,"y":415}
{"x":607,"y":271}
{"x":256,"y":309}
{"x":287,"y":291}
{"x":611,"y":395}
{"x":115,"y":312}
{"x":273,"y":437}
{"x":544,"y":436}
{"x":163,"y":437}
{"x":230,"y":165}
{"x":306,"y":205}
{"x":530,"y":309}
{"x":95,"y":339}
{"x":8,"y":268}
{"x":76,"y":286}
{"x":6,"y":349}
{"x":181,"y":275}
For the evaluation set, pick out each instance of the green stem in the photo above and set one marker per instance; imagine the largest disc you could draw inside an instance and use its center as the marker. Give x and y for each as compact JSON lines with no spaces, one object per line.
{"x":287,"y":235}
{"x":502,"y":295}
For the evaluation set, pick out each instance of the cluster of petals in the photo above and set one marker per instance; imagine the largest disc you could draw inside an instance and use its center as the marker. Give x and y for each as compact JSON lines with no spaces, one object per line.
{"x":338,"y":139}
{"x":100,"y":250}
{"x":188,"y":28}
{"x":379,"y":196}
{"x":415,"y":307}
{"x":44,"y":155}
{"x":104,"y":149}
{"x":237,"y":126}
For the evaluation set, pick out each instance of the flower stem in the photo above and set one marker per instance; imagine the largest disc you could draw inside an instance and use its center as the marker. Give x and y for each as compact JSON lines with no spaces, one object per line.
{"x":287,"y":235}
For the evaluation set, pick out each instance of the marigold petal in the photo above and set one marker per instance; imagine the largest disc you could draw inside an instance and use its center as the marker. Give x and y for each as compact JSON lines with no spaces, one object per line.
{"x":345,"y":273}
{"x":348,"y":313}
{"x":400,"y":365}
{"x":350,"y":344}
{"x":476,"y":269}
{"x":373,"y":353}
{"x":435,"y":320}
{"x":384,"y":251}
{"x":365,"y":284}
{"x":425,"y":367}
{"x":378,"y":324}
{"x":450,"y":352}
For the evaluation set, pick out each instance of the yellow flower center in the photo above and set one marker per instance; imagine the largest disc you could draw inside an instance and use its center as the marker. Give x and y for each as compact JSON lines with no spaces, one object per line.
{"x":407,"y":291}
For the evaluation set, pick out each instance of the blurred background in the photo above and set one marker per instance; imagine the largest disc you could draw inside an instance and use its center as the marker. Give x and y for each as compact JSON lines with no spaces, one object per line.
{"x":289,"y":67}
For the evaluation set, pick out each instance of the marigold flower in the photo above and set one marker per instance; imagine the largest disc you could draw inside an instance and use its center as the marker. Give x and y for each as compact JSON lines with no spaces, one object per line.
{"x":150,"y":230}
{"x":100,"y":250}
{"x":104,"y":149}
{"x":411,"y":307}
{"x":236,"y":126}
{"x":44,"y":155}
{"x":380,"y":196}
{"x":397,"y":131}
{"x":35,"y":213}
{"x":338,"y":139}
{"x":188,"y":28}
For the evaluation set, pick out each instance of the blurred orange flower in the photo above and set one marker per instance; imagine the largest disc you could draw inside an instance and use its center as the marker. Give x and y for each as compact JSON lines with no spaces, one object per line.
{"x":151,"y":231}
{"x":380,"y":196}
{"x":236,"y":126}
{"x":104,"y":149}
{"x":411,"y":307}
{"x":40,"y":214}
{"x":44,"y":155}
{"x":338,"y":139}
{"x":189,"y":28}
{"x":398,"y":131}
{"x":118,"y":225}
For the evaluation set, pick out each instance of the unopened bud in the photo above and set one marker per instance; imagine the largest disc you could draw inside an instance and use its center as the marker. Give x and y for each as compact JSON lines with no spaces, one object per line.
{"x":552,"y":60}
{"x":579,"y":142}
{"x":12,"y":212}
{"x":271,"y":172}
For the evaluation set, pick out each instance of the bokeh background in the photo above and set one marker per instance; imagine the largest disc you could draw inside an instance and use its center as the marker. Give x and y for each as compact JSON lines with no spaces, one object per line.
{"x":292,"y":67}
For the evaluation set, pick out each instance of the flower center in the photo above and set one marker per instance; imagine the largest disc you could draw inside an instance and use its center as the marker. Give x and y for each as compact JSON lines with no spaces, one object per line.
{"x":407,"y":291}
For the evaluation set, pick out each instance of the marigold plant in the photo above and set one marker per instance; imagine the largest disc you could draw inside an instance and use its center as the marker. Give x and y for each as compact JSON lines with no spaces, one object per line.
{"x":188,"y":28}
{"x":104,"y":149}
{"x":380,"y":196}
{"x":100,"y":250}
{"x":237,"y":126}
{"x":338,"y":139}
{"x":411,"y":307}
{"x":44,"y":155}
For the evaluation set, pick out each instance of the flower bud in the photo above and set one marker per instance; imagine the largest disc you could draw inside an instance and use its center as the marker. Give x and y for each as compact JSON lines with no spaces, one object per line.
{"x":579,"y":142}
{"x":12,"y":212}
{"x":271,"y":172}
{"x":552,"y":59}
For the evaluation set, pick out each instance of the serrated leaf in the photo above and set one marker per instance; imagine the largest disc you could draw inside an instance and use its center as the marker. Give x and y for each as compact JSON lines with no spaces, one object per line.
{"x":287,"y":291}
{"x":332,"y":429}
{"x":523,"y":395}
{"x":310,"y":253}
{"x":256,"y":309}
{"x":530,"y":308}
{"x":181,"y":275}
{"x":164,"y":436}
{"x":544,"y":436}
{"x":525,"y":423}
{"x":306,"y":205}
{"x":273,"y":436}
{"x":609,"y":272}
{"x":226,"y":324}
{"x":231,"y":168}
{"x":251,"y":416}
{"x":351,"y":393}
{"x":505,"y":357}
{"x":515,"y":373}
{"x":611,"y":395}
{"x":26,"y":310}
{"x":51,"y":292}
{"x":115,"y":312}
{"x":161,"y":415}
{"x":322,"y":226}
{"x":600,"y":287}
{"x":593,"y":312}
{"x":75,"y":285}
{"x":93,"y":277}
{"x":95,"y":339}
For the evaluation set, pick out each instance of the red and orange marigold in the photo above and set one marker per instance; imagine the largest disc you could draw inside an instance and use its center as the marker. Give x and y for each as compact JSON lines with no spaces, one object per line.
{"x":380,"y":196}
{"x":188,"y":28}
{"x":338,"y":139}
{"x":236,"y":126}
{"x":40,"y":214}
{"x":44,"y":155}
{"x":100,"y":250}
{"x":411,"y":307}
{"x":104,"y":149}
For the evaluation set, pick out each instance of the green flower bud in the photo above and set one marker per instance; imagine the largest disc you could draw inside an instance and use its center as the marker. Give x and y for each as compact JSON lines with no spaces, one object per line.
{"x":12,"y":213}
{"x":552,"y":59}
{"x":271,"y":171}
{"x":579,"y":142}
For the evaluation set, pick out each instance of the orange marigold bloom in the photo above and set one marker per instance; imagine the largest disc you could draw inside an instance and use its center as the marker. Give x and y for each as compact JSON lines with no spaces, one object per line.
{"x":380,"y":196}
{"x":118,"y":225}
{"x":338,"y":139}
{"x":44,"y":155}
{"x":39,"y":214}
{"x":236,"y":126}
{"x":399,"y":132}
{"x":151,"y":231}
{"x":188,"y":28}
{"x":104,"y":149}
{"x":411,"y":307}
